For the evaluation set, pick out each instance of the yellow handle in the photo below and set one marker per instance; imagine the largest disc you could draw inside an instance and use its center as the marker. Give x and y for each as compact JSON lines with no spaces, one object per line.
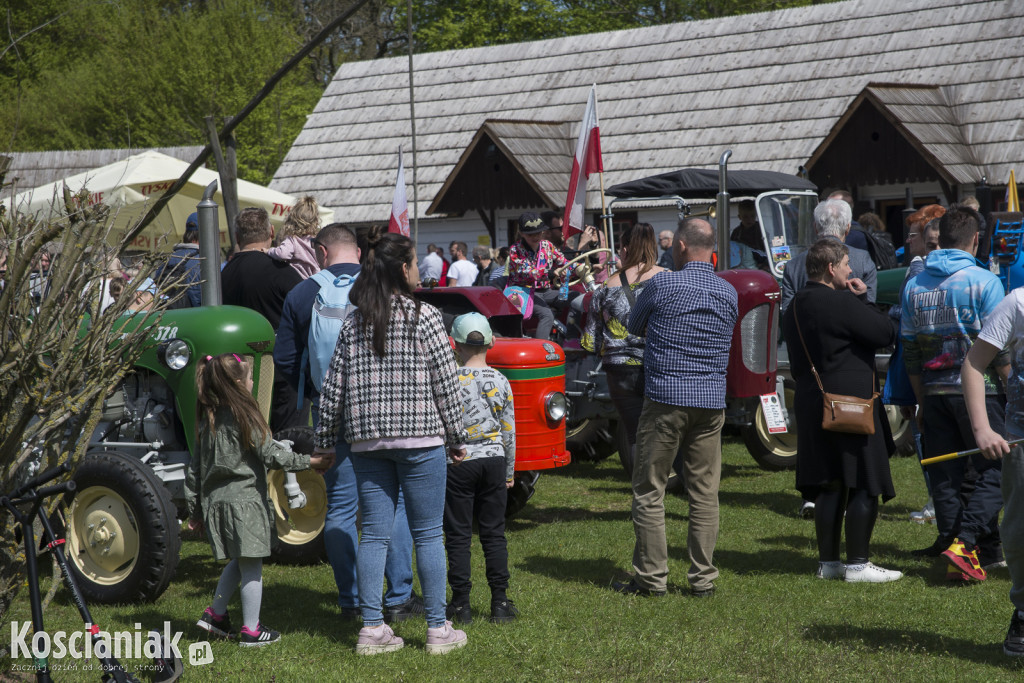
{"x":944,"y":458}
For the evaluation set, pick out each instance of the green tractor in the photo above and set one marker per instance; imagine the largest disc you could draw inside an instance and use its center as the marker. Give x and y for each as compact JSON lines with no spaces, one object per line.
{"x":122,"y":526}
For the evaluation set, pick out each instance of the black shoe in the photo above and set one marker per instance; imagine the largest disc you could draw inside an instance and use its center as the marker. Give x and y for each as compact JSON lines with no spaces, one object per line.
{"x":258,"y":638}
{"x":991,"y":556}
{"x":703,"y":593}
{"x":220,"y":628}
{"x":1013,"y":646}
{"x":351,"y":614}
{"x":934,"y":550}
{"x":407,"y":610}
{"x":633,"y":588}
{"x":460,"y":613}
{"x":503,"y":611}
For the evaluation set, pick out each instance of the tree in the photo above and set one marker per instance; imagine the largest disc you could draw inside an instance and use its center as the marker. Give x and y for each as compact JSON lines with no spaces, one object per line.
{"x":60,"y":355}
{"x":150,"y":73}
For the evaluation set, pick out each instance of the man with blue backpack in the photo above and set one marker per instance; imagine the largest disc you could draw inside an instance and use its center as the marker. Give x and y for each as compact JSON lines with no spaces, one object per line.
{"x":310,"y":322}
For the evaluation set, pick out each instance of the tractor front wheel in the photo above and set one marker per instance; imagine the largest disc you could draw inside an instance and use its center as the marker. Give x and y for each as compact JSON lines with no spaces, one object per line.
{"x":122,"y":530}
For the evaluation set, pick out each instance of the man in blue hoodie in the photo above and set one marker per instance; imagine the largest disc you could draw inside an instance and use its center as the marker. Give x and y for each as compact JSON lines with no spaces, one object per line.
{"x":944,"y":308}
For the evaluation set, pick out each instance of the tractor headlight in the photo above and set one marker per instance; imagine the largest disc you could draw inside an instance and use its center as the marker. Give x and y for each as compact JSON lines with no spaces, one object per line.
{"x":554,"y":406}
{"x":175,"y":354}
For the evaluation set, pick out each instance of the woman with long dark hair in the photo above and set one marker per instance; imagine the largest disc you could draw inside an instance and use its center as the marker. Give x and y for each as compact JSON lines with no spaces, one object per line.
{"x":392,"y":386}
{"x":622,"y":354}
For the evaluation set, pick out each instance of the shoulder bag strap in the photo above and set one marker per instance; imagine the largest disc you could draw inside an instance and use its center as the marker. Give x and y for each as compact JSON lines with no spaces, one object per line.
{"x":626,"y":288}
{"x":796,"y":319}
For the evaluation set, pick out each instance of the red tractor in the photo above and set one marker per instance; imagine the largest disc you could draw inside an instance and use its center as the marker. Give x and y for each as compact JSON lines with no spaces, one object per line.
{"x":536,"y":371}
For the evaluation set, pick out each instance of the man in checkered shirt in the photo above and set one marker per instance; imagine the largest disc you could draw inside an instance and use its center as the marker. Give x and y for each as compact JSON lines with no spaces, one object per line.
{"x":688,"y":318}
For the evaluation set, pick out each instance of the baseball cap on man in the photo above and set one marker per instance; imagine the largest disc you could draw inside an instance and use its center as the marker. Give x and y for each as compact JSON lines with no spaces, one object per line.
{"x":192,"y":222}
{"x":468,"y":323}
{"x":530,"y":223}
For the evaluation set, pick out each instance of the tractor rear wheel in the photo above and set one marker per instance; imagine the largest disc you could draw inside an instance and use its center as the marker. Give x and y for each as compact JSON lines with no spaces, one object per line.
{"x":300,"y":533}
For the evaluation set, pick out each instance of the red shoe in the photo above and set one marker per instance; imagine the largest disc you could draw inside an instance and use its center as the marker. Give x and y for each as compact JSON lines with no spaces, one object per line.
{"x":965,"y":560}
{"x":954,"y":574}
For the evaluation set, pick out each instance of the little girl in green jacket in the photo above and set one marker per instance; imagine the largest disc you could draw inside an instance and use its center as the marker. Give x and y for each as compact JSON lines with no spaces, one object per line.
{"x":226,"y":490}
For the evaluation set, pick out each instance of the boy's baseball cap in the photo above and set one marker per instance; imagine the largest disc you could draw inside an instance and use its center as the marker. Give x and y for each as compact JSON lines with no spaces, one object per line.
{"x":471,"y":322}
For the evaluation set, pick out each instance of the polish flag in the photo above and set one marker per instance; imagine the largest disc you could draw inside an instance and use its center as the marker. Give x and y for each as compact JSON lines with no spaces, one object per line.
{"x":399,"y":221}
{"x":586,"y":162}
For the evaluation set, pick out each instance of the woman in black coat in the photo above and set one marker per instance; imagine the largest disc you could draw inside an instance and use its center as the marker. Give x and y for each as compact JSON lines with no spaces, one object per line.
{"x":841,"y":473}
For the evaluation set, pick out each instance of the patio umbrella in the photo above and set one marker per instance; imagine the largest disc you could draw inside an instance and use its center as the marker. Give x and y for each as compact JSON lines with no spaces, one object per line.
{"x":130,"y":187}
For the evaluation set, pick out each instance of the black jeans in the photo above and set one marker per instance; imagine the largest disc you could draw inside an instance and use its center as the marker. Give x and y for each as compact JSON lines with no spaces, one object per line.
{"x":543,"y":300}
{"x":476,"y":486}
{"x":946,"y":429}
{"x":626,"y":389}
{"x":860,"y":509}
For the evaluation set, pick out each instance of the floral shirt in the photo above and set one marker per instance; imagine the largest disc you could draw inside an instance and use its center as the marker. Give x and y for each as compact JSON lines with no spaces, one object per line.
{"x":527,"y":268}
{"x":605,"y":332}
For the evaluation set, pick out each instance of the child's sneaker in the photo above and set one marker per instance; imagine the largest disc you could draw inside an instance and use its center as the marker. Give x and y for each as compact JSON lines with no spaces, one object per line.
{"x":378,"y":639}
{"x":460,"y":613}
{"x":503,"y":611}
{"x":444,"y":639}
{"x":219,"y":626}
{"x":966,"y":560}
{"x":258,"y":638}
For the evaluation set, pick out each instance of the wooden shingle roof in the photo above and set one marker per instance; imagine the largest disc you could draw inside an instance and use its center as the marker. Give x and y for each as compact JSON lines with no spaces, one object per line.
{"x":770,"y":86}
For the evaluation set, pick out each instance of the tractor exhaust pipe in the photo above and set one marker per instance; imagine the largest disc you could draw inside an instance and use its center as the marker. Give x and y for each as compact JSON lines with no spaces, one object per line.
{"x":722,"y":212}
{"x":209,"y":247}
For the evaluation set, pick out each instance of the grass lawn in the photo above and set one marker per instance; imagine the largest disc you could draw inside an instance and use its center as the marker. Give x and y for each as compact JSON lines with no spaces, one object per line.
{"x":771,"y":619}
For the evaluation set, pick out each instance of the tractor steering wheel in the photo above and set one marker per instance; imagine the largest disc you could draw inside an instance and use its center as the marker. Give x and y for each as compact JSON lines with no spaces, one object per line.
{"x":586,"y":267}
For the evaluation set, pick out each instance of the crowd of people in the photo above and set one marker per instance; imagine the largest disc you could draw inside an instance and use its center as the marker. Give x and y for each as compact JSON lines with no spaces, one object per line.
{"x":352,"y":337}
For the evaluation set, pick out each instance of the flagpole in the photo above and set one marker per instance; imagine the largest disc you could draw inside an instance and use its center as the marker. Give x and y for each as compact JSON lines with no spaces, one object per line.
{"x":609,"y":234}
{"x":412,"y":120}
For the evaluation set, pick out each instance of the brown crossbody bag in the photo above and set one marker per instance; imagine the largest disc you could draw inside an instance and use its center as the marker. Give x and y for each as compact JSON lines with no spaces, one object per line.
{"x":847,"y":414}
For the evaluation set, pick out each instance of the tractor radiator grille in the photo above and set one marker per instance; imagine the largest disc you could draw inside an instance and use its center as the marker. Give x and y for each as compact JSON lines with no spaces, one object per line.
{"x":264,"y":379}
{"x":758,"y":341}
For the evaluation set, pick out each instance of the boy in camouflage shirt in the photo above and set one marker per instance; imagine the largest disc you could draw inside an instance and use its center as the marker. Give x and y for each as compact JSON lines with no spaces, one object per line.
{"x":482,"y":479}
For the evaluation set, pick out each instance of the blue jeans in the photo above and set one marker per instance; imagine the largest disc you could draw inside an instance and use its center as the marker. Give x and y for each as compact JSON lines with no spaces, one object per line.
{"x":419,"y":473}
{"x":341,"y":537}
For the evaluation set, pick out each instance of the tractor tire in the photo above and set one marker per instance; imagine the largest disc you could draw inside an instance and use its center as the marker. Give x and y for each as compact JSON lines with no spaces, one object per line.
{"x":591,"y":440}
{"x":902,"y":433}
{"x":626,"y":453}
{"x":773,"y":451}
{"x":122,"y":530}
{"x":300,"y":533}
{"x":520,"y":493}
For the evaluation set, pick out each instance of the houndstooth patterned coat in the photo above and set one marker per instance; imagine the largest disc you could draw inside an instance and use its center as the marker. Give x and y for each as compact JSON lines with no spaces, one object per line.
{"x":412,"y":391}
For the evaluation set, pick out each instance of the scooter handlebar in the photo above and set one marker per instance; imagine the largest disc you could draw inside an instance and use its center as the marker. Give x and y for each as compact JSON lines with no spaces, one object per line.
{"x":40,"y":479}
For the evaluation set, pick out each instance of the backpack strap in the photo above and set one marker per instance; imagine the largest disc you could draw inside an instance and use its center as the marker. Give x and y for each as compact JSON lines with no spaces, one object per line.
{"x":325,"y":278}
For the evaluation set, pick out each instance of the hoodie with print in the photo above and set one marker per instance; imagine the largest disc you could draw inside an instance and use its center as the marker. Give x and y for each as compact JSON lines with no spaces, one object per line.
{"x":943,"y":310}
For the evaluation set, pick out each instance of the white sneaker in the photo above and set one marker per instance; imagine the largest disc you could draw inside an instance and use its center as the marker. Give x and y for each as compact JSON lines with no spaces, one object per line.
{"x":925,"y":515}
{"x":831,"y":570}
{"x":869,"y":573}
{"x":806,"y":510}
